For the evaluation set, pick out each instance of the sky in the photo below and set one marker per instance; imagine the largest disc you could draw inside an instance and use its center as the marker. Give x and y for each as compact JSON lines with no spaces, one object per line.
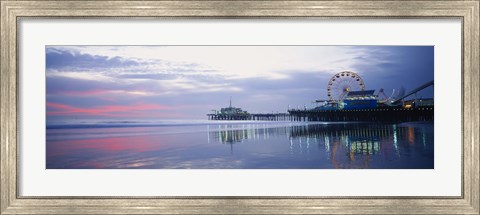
{"x":188,"y":82}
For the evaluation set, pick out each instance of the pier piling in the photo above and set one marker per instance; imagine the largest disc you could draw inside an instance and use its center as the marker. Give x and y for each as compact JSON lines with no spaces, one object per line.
{"x":386,"y":114}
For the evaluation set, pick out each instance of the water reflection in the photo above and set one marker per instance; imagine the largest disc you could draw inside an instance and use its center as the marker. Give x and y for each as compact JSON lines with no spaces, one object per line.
{"x":342,"y":143}
{"x":230,"y":134}
{"x":233,"y":134}
{"x":248,"y":146}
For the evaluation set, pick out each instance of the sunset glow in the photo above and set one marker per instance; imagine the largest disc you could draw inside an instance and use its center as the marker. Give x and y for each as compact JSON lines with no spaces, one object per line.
{"x":165,"y":82}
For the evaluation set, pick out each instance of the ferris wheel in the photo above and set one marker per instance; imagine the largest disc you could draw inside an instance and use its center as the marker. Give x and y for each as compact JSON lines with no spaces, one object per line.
{"x":342,"y":83}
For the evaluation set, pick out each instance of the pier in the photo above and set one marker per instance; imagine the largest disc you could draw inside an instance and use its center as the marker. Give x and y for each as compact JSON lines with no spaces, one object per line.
{"x":387,"y":114}
{"x":345,"y":104}
{"x":255,"y":117}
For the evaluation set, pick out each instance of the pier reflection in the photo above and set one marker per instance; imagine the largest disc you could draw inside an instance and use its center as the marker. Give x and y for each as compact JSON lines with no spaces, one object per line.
{"x":343,"y":144}
{"x":231,"y":134}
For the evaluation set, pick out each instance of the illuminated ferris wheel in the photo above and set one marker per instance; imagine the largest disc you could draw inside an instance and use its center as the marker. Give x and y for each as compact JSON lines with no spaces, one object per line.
{"x":342,"y":83}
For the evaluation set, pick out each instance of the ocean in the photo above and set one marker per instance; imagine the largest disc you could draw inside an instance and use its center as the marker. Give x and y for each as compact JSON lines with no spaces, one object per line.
{"x":203,"y":144}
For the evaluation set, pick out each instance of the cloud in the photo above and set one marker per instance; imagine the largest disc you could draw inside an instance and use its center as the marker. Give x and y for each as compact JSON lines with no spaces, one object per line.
{"x":236,"y":62}
{"x":391,"y":67}
{"x":66,"y":66}
{"x":197,"y":79}
{"x":57,"y":59}
{"x":105,"y":110}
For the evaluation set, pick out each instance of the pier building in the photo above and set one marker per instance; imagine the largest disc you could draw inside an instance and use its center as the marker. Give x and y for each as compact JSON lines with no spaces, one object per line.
{"x":360,"y":100}
{"x":229,"y":113}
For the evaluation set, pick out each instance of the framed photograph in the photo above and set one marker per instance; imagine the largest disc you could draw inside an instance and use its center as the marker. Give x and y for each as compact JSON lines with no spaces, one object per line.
{"x":239,"y":107}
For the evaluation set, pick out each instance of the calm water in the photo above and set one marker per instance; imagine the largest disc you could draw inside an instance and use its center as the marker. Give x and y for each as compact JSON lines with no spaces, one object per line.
{"x":244,"y":145}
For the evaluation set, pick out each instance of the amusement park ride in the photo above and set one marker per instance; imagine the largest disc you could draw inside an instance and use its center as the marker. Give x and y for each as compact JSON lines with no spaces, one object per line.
{"x":347,"y":101}
{"x":346,"y":91}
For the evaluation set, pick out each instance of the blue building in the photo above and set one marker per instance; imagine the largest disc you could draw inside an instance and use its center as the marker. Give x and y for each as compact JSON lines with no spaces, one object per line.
{"x":360,"y":100}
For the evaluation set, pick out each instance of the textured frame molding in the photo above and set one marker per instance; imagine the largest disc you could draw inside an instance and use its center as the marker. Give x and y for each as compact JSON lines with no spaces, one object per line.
{"x":12,"y":10}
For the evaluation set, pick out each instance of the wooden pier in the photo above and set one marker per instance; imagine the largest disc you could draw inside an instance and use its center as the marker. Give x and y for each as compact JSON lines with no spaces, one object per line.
{"x":256,"y":117}
{"x":386,"y":114}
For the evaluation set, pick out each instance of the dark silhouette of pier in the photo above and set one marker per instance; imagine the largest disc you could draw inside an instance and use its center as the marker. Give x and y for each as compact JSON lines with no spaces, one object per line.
{"x":259,"y":116}
{"x":386,"y":114}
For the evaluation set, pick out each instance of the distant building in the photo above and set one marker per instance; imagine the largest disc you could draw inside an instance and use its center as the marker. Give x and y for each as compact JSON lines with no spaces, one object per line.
{"x":230,"y":113}
{"x":231,"y":110}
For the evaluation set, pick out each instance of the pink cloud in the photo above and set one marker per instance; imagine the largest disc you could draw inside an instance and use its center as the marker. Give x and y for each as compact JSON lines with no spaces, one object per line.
{"x":135,"y":110}
{"x":98,"y":92}
{"x":88,"y":93}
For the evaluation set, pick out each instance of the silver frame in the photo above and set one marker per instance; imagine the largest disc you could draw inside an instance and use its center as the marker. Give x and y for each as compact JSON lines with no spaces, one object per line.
{"x":11,"y":11}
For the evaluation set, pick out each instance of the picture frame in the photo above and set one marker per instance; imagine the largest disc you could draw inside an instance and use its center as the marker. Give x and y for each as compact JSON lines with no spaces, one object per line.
{"x":13,"y":203}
